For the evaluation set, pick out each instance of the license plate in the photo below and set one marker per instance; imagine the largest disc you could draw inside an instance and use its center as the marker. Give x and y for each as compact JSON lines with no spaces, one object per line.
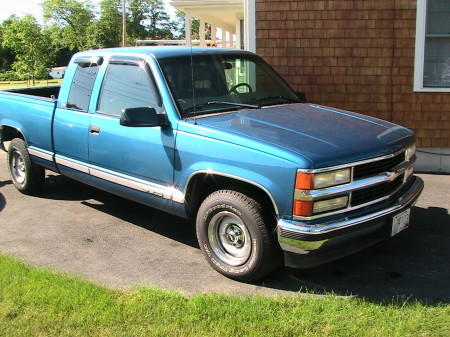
{"x":400,"y":222}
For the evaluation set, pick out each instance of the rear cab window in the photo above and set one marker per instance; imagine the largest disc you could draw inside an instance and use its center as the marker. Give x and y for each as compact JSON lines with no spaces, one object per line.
{"x":83,"y":82}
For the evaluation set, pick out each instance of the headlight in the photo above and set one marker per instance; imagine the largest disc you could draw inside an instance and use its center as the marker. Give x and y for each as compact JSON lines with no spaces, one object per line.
{"x":410,"y":151}
{"x":332,"y":178}
{"x":330,"y":204}
{"x":308,"y":181}
{"x":309,"y":208}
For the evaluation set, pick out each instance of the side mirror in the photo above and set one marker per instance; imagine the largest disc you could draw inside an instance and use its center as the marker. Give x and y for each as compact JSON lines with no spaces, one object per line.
{"x":301,"y":96}
{"x":143,"y":117}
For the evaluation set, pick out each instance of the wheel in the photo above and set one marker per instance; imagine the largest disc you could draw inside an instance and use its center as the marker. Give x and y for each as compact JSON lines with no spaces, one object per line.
{"x":27,"y":177}
{"x":234,"y":88}
{"x":235,"y":236}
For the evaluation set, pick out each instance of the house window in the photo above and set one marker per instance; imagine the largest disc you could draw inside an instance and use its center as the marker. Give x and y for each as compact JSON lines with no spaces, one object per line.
{"x":432,"y":63}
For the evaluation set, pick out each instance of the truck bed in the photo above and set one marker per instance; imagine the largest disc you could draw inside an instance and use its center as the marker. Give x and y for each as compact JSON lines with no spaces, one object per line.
{"x":31,"y":111}
{"x":51,"y":91}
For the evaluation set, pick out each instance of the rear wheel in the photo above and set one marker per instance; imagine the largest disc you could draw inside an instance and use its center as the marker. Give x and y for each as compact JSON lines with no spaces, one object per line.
{"x":27,"y":177}
{"x":236,"y":237}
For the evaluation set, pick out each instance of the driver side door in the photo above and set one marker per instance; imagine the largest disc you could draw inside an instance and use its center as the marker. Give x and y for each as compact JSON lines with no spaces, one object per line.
{"x":136,"y":162}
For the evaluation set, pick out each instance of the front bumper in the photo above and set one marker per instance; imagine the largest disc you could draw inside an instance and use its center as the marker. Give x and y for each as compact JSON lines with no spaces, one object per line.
{"x":307,"y":245}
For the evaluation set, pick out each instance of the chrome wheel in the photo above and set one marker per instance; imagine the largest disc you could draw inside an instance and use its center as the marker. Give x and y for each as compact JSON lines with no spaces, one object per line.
{"x":18,"y":168}
{"x":229,"y":238}
{"x":236,"y":237}
{"x":26,"y":175}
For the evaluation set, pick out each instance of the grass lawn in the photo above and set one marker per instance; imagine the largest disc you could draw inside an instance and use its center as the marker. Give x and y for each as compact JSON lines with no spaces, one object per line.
{"x":40,"y":302}
{"x":23,"y":84}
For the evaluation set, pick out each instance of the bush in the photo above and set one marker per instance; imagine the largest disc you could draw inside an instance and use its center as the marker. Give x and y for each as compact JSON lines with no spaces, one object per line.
{"x":10,"y":76}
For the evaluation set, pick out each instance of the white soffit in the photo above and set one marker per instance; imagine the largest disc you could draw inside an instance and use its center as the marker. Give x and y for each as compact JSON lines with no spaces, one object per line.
{"x":219,"y":13}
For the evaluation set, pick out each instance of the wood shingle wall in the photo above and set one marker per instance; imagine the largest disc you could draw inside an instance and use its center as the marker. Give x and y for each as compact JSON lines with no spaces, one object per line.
{"x":356,"y":55}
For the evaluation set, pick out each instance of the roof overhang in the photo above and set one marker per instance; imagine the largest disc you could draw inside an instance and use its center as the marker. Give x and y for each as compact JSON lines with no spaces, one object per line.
{"x":219,"y":13}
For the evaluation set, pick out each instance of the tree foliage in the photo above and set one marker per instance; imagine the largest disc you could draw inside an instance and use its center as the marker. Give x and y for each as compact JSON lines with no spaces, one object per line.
{"x":31,"y":45}
{"x":106,"y":31}
{"x":74,"y":25}
{"x":69,"y":22}
{"x":6,"y":54}
{"x":147,"y":19}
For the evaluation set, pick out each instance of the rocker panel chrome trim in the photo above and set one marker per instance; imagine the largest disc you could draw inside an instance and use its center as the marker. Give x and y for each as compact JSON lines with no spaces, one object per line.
{"x":43,"y":154}
{"x":72,"y":163}
{"x":166,"y":192}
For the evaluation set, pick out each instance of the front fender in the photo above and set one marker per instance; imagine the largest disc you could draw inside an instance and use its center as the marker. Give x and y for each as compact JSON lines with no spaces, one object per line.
{"x":271,"y":174}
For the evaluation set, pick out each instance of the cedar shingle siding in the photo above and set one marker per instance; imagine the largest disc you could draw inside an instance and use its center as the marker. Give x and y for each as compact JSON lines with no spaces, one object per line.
{"x":356,"y":55}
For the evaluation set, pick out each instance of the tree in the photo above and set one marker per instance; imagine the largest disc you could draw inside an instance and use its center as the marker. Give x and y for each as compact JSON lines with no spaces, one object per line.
{"x":147,"y":19}
{"x":107,"y":30}
{"x":32,"y":47}
{"x":7,"y":56}
{"x":180,"y":24}
{"x":70,"y":21}
{"x":160,"y":26}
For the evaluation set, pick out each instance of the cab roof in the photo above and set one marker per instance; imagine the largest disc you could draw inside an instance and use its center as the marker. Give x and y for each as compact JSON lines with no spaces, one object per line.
{"x":161,"y":52}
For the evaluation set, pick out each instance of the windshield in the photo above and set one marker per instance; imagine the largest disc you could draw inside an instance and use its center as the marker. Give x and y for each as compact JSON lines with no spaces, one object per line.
{"x":221,"y":83}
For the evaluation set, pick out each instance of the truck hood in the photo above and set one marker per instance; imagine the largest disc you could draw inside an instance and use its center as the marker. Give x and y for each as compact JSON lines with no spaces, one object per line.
{"x":325,"y":136}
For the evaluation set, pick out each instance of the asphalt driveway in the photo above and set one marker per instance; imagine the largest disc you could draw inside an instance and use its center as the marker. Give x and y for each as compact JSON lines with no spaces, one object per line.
{"x":77,"y":229}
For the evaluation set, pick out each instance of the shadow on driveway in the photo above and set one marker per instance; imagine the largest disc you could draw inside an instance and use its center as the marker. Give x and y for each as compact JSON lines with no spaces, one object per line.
{"x":413,"y":266}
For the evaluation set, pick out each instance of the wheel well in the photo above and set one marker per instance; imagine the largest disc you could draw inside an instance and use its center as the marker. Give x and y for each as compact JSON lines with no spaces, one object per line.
{"x":8,"y":133}
{"x":202,"y":185}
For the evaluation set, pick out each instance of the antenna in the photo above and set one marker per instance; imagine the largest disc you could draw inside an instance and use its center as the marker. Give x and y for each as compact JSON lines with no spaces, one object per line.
{"x":124,"y":24}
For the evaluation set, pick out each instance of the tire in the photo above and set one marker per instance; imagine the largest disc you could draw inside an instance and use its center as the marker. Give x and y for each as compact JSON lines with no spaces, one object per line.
{"x":27,"y":177}
{"x":235,"y":236}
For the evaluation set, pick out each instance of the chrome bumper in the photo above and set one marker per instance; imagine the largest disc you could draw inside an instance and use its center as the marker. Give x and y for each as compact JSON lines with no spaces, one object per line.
{"x":307,"y":245}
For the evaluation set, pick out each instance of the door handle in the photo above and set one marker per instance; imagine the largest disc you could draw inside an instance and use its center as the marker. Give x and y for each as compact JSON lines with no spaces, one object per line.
{"x":94,"y":130}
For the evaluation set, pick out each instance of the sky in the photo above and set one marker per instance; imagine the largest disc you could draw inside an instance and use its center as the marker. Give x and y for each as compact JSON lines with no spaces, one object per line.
{"x":22,"y":7}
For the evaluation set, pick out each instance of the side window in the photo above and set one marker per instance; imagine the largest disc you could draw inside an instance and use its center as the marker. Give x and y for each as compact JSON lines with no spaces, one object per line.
{"x":126,"y":86}
{"x":81,"y":88}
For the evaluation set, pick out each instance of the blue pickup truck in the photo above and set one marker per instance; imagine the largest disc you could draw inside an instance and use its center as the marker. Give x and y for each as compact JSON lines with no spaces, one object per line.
{"x":217,"y":136}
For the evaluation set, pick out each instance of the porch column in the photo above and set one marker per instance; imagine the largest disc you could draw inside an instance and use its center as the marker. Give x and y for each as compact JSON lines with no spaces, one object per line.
{"x":213,"y":34}
{"x":201,"y":32}
{"x":187,"y":28}
{"x":238,"y":34}
{"x":224,"y":38}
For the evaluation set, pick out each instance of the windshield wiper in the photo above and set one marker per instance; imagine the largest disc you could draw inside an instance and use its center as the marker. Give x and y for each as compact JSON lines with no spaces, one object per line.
{"x":279,"y":96}
{"x":202,"y":105}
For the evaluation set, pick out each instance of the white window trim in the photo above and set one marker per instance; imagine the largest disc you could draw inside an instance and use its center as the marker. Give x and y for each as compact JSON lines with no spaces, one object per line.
{"x":250,"y":25}
{"x":420,"y":50}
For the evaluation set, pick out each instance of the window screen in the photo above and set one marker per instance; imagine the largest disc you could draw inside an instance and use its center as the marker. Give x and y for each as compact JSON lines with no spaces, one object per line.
{"x":126,"y":86}
{"x":81,"y":88}
{"x":437,"y":44}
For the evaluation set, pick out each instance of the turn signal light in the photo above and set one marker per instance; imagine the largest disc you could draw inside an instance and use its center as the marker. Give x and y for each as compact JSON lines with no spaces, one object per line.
{"x":303,"y":208}
{"x":304,"y":181}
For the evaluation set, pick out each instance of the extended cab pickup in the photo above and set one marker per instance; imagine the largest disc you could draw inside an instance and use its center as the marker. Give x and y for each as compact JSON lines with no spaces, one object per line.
{"x":217,"y":136}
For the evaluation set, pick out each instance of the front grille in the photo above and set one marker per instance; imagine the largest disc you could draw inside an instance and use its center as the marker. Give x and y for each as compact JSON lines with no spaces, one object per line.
{"x":376,"y":192}
{"x":377,"y":167}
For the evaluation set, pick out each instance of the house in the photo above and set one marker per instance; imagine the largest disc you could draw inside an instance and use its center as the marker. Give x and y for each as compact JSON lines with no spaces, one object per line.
{"x":385,"y":58}
{"x":227,"y":17}
{"x":57,"y":72}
